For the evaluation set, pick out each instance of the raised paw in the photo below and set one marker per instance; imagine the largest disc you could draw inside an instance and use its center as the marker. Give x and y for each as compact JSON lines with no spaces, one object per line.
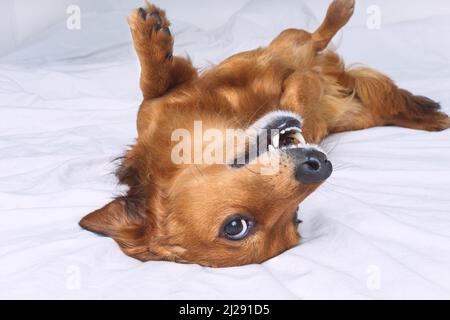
{"x":151,"y":33}
{"x":340,"y":12}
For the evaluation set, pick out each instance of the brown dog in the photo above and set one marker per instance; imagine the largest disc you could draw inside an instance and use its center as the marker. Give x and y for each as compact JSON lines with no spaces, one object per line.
{"x":228,"y":214}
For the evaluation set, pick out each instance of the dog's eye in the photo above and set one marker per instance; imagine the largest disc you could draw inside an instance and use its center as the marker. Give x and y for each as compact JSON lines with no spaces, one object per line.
{"x":237,"y":228}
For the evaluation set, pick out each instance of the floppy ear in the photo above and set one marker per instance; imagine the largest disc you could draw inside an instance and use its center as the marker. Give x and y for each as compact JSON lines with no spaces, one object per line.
{"x":123,"y":218}
{"x":127,"y":228}
{"x":135,"y":227}
{"x":136,"y":237}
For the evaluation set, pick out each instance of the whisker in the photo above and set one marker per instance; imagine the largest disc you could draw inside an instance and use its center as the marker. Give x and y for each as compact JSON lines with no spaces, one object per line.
{"x":343,"y":166}
{"x":325,"y":146}
{"x":328,"y":183}
{"x":251,"y":119}
{"x":247,"y":168}
{"x":199,"y":170}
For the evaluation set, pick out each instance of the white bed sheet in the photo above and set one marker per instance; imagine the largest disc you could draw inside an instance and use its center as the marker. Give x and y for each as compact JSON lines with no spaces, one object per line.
{"x":380,"y":228}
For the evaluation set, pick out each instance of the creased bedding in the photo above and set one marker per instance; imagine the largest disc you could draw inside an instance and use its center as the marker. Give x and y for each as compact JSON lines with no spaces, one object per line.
{"x":380,"y":228}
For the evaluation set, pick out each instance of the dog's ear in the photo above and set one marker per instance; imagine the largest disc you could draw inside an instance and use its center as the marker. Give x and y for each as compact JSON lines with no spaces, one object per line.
{"x":124,"y":218}
{"x":118,"y":221}
{"x":129,"y":220}
{"x":136,"y":236}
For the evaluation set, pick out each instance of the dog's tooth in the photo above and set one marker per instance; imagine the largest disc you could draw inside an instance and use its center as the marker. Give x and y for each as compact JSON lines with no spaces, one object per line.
{"x":299,"y":137}
{"x":276,"y":141}
{"x":272,"y":149}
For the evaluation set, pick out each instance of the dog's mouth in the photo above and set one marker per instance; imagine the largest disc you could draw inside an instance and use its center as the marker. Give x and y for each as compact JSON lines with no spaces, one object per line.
{"x":310,"y":162}
{"x":288,"y":138}
{"x":282,"y":129}
{"x":278,"y":131}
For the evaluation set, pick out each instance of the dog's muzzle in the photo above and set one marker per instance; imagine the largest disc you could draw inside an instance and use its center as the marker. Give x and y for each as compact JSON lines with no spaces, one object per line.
{"x":310,"y":161}
{"x":311,"y":165}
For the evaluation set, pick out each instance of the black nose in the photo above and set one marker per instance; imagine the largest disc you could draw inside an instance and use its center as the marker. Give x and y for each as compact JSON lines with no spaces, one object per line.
{"x":312,"y":166}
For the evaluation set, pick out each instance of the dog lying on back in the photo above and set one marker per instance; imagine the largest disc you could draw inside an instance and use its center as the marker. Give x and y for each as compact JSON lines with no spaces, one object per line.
{"x":283,"y":99}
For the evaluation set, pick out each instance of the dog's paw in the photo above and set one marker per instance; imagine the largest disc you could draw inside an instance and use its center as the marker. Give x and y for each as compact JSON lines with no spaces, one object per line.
{"x":150,"y":31}
{"x":422,"y":113}
{"x":340,"y":11}
{"x":439,"y":122}
{"x":343,"y":8}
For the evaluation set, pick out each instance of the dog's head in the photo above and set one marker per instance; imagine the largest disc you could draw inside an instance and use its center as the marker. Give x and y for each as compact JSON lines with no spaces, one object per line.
{"x":201,"y":210}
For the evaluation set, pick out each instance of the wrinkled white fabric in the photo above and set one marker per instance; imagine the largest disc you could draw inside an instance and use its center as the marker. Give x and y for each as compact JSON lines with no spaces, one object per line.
{"x":380,"y":228}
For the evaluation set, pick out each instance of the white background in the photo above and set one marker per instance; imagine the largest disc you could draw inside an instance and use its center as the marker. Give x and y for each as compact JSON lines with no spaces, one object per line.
{"x":379,"y":228}
{"x":22,"y":19}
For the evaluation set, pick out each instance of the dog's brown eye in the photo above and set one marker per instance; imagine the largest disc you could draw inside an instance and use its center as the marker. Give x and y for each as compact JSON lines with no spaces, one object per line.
{"x":237,"y":228}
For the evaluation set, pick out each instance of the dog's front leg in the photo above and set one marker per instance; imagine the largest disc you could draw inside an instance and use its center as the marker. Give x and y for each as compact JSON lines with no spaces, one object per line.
{"x":153,"y":41}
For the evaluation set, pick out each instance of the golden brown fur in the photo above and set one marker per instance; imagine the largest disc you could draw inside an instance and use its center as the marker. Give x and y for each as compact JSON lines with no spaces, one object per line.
{"x":173,"y":212}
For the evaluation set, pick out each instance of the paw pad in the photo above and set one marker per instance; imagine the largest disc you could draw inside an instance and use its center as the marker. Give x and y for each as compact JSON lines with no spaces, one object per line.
{"x":157,"y":19}
{"x":151,"y":33}
{"x":167,"y":31}
{"x":142,"y":13}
